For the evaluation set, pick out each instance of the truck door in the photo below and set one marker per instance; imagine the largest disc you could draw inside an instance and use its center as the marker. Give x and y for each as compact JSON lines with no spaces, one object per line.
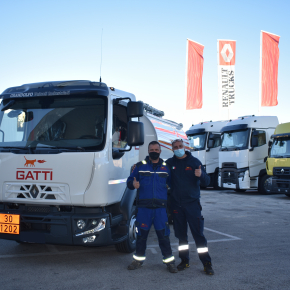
{"x":258,"y":153}
{"x":212,"y":154}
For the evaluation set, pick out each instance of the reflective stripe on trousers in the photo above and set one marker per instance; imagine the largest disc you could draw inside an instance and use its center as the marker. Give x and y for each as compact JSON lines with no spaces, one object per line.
{"x":183,"y":247}
{"x":137,"y":258}
{"x":168,"y":260}
{"x":202,"y":250}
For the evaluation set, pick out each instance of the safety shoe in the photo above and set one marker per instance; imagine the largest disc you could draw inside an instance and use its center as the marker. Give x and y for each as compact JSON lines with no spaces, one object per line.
{"x":183,"y":265}
{"x":135,"y":265}
{"x":208,"y":268}
{"x":171,"y":268}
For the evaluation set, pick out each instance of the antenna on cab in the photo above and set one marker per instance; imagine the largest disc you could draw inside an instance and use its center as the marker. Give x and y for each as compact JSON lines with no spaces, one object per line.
{"x":101,"y":56}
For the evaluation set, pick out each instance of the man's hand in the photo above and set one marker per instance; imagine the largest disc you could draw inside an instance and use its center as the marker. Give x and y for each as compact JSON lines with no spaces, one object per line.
{"x":133,"y":167}
{"x":197,"y":172}
{"x":136,"y":183}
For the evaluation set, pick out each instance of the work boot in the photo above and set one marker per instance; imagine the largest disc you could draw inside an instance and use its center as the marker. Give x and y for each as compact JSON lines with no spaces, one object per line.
{"x":208,"y":268}
{"x":171,"y":268}
{"x":183,"y":265}
{"x":135,"y":265}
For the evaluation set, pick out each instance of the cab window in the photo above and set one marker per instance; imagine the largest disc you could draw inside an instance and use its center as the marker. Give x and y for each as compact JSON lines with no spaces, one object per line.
{"x":119,"y":129}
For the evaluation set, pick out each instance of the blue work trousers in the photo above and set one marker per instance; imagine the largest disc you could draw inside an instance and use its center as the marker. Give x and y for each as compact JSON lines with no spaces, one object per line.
{"x":190,"y":214}
{"x":144,"y":220}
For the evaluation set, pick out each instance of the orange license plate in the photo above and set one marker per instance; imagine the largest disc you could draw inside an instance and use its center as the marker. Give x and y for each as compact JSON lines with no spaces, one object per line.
{"x":9,"y":223}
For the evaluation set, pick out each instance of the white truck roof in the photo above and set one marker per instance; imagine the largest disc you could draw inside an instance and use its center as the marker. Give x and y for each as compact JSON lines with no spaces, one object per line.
{"x":206,"y":127}
{"x":263,"y":122}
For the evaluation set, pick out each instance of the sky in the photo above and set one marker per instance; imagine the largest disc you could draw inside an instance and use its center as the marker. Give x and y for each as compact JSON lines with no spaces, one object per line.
{"x":144,"y":49}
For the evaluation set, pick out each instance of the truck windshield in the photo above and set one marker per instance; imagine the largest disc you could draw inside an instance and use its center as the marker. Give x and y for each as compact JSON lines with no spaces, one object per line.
{"x":235,"y":140}
{"x":75,"y":123}
{"x":197,"y":142}
{"x":280,"y":148}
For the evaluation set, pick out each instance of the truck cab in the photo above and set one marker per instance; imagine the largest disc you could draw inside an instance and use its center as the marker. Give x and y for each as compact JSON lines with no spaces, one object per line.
{"x":65,"y":155}
{"x":278,"y":161}
{"x":243,"y":151}
{"x":205,"y":142}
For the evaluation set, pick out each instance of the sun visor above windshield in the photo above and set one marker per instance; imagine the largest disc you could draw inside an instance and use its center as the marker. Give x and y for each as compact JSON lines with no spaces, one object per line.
{"x":284,"y":135}
{"x":194,"y":131}
{"x":234,"y":128}
{"x":53,"y":89}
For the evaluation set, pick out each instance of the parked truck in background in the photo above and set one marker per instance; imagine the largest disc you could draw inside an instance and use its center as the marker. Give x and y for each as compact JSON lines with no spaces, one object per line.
{"x":278,"y":162}
{"x":243,"y":151}
{"x":66,"y":150}
{"x":205,"y":142}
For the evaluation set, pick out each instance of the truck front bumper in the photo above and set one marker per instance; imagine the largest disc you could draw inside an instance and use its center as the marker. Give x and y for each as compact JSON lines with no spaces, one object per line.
{"x":280,"y":185}
{"x":39,"y":224}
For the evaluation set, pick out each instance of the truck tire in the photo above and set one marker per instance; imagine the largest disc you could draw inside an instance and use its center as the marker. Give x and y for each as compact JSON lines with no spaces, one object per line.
{"x":288,"y":194}
{"x":263,"y":185}
{"x":129,"y":245}
{"x":216,"y":181}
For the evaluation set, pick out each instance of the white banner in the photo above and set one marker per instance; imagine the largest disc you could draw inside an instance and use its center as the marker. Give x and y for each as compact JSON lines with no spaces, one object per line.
{"x":226,"y":50}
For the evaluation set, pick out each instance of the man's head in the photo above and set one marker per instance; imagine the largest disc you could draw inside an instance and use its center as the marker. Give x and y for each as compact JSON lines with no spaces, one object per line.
{"x":154,"y":151}
{"x":178,"y":148}
{"x":177,"y":144}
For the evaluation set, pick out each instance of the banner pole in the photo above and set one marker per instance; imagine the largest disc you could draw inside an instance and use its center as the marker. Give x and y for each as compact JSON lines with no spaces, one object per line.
{"x":260,"y":85}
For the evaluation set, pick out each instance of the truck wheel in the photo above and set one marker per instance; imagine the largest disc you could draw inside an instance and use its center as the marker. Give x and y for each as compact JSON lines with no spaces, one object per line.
{"x":264,"y":187}
{"x":288,"y":195}
{"x":129,"y":245}
{"x":216,"y":181}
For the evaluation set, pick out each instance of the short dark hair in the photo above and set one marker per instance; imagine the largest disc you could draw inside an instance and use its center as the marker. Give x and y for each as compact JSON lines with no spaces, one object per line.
{"x":176,"y":140}
{"x":153,"y":143}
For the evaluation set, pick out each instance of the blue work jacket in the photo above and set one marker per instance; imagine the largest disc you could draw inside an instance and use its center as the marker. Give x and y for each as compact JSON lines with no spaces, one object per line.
{"x":153,"y":180}
{"x":185,"y":186}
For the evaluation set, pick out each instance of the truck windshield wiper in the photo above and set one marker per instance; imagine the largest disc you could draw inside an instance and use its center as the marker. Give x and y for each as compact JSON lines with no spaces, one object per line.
{"x":63,"y":148}
{"x":14,"y":147}
{"x":224,"y":148}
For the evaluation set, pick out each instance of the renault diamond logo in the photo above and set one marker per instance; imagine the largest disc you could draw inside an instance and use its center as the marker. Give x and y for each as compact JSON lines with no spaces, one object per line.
{"x":282,"y":170}
{"x":227,"y":52}
{"x":34,"y":191}
{"x":229,"y":174}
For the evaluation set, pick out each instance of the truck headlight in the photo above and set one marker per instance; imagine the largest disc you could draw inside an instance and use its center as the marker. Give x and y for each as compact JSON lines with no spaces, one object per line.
{"x":81,"y":224}
{"x":99,"y":227}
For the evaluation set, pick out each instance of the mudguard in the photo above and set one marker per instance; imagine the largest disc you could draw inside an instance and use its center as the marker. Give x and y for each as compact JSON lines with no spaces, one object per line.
{"x":127,"y":202}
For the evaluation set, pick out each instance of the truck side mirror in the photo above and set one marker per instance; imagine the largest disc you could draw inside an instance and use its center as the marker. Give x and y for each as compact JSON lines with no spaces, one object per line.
{"x":270,"y":143}
{"x":135,"y":133}
{"x":254,"y":141}
{"x":210,"y":143}
{"x":135,"y":109}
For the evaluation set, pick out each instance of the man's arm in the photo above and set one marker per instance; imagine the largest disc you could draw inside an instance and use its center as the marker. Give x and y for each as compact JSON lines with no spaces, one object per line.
{"x":134,"y":176}
{"x":204,"y":177}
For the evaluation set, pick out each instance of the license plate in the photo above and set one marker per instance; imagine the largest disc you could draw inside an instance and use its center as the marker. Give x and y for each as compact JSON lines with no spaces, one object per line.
{"x":9,"y":223}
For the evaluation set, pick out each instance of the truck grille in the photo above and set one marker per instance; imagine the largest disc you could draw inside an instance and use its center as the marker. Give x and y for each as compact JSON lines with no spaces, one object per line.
{"x":281,"y":171}
{"x":37,"y":191}
{"x":229,"y":177}
{"x":229,"y":165}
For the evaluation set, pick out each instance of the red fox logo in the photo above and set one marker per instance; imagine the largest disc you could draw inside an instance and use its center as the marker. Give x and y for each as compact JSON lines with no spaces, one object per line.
{"x":29,"y":162}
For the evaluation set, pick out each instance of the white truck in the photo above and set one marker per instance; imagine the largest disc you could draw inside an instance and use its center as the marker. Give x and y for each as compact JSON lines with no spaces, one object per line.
{"x":66,"y":150}
{"x":205,"y":142}
{"x":243,"y":152}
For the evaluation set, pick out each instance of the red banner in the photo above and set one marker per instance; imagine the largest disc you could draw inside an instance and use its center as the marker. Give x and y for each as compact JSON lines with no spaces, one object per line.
{"x":269,"y":69}
{"x":194,"y":75}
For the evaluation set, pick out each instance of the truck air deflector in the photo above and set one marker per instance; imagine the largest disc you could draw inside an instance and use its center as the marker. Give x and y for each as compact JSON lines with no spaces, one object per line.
{"x":284,"y":135}
{"x":195,"y":131}
{"x":234,"y":128}
{"x":53,"y":89}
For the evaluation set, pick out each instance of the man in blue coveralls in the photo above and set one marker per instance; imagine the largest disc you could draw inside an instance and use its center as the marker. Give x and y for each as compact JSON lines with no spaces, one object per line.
{"x":187,"y":173}
{"x":150,"y":177}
